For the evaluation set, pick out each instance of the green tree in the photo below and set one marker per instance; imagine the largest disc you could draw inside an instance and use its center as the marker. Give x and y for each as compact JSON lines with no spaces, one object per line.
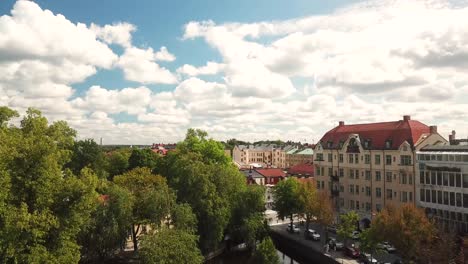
{"x":406,"y":227}
{"x":43,"y":208}
{"x":206,"y":179}
{"x":153,"y":199}
{"x":286,"y":198}
{"x":170,"y":246}
{"x":117,"y":162}
{"x":347,"y":225}
{"x":266,"y":253}
{"x":142,"y":158}
{"x":6,"y":114}
{"x":87,"y":153}
{"x":109,"y":227}
{"x":368,"y":241}
{"x":183,"y":218}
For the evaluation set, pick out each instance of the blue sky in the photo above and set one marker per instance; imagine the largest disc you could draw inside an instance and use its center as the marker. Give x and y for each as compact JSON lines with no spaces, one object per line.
{"x":146,"y":71}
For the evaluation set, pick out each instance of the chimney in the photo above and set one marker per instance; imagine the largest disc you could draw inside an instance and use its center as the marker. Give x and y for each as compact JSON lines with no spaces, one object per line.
{"x":341,"y":123}
{"x":452,"y":136}
{"x":433,"y":129}
{"x":406,"y":117}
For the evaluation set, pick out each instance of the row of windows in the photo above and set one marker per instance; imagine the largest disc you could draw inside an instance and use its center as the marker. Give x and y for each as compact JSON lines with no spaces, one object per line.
{"x":445,"y":214}
{"x":354,"y":159}
{"x":444,"y":197}
{"x":403,"y":177}
{"x":356,"y":205}
{"x":444,"y":178}
{"x":444,"y":157}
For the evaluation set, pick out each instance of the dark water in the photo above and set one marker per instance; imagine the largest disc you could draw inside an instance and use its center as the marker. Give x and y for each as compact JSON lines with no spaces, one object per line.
{"x":244,"y":258}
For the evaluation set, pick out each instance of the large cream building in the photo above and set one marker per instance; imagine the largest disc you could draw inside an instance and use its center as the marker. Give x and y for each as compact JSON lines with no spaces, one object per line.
{"x":365,"y":167}
{"x":263,"y":155}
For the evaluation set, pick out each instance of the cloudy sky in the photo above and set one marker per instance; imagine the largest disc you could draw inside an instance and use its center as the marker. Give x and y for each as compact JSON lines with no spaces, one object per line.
{"x":143,"y":72}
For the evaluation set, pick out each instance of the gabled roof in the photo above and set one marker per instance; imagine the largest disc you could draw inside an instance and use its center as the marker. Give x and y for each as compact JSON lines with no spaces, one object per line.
{"x":377,"y":134}
{"x":304,"y":169}
{"x":307,"y":151}
{"x":271,"y":172}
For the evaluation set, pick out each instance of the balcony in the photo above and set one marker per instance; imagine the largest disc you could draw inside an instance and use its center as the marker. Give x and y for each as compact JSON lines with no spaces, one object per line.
{"x":335,"y":178}
{"x":352,"y":149}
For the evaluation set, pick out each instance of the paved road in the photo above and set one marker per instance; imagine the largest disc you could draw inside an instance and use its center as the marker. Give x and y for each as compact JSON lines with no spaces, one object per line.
{"x":382,"y":257}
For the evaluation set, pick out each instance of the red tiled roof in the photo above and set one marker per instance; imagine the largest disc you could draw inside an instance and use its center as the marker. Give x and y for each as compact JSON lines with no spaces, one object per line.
{"x":396,"y":131}
{"x":271,"y":172}
{"x":304,"y":168}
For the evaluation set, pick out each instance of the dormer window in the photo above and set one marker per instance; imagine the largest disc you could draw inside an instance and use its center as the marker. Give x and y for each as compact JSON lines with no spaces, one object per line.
{"x":329,"y":144}
{"x":367,"y":143}
{"x":388,"y":144}
{"x":341,"y":144}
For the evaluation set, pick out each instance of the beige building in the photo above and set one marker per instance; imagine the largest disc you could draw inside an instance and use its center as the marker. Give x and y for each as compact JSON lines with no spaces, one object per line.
{"x":299,"y":156}
{"x":365,"y":167}
{"x":262,"y":155}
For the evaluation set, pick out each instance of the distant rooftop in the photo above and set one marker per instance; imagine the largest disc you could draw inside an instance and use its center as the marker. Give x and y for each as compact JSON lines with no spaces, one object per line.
{"x":446,"y":148}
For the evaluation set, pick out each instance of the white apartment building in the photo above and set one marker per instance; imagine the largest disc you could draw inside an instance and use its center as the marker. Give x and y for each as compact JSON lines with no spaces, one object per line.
{"x":442,"y":184}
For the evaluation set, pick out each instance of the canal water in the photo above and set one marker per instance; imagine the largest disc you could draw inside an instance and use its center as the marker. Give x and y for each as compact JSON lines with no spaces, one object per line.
{"x":244,"y":258}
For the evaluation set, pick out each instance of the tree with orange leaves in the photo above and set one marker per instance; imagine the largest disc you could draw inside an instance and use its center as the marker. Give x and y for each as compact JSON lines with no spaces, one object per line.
{"x":406,"y":227}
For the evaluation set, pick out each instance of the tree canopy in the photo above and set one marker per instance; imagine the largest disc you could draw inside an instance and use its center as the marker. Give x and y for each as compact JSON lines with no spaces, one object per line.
{"x":286,"y":198}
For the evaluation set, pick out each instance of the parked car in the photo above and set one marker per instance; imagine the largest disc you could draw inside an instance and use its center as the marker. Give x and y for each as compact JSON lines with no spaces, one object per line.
{"x":389,"y":247}
{"x":355,"y":235}
{"x":293,"y":229}
{"x":352,"y":252}
{"x":367,"y":259}
{"x":335,"y":244}
{"x":312,"y":234}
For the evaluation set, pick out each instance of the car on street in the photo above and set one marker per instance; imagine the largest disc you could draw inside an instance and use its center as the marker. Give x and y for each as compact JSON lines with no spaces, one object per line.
{"x":355,"y":235}
{"x":312,"y":234}
{"x":389,"y":247}
{"x":293,"y":229}
{"x":366,"y":258}
{"x":351,"y":251}
{"x":335,"y":244}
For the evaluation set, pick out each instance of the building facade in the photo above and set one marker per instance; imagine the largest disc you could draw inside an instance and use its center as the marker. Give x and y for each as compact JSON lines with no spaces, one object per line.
{"x":442,"y":184}
{"x":264,"y":155}
{"x":299,"y":156}
{"x":365,"y":167}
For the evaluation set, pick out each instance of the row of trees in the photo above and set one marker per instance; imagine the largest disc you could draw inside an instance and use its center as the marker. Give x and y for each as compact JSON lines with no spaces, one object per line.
{"x":67,"y":201}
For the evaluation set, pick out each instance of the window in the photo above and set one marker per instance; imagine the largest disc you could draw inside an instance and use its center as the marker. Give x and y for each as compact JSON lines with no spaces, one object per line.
{"x":389,"y":194}
{"x":439,"y":197}
{"x":356,"y":158}
{"x":378,"y":177}
{"x":357,"y":189}
{"x":459,"y":199}
{"x":446,"y":198}
{"x":323,"y":185}
{"x":421,"y":177}
{"x":465,"y":180}
{"x":410,"y":178}
{"x":351,"y":204}
{"x":458,"y":179}
{"x":351,"y":188}
{"x":465,"y":200}
{"x":357,"y":205}
{"x":330,"y":157}
{"x":428,"y":178}
{"x":368,"y":191}
{"x":368,"y":207}
{"x":439,"y":179}
{"x":388,"y":160}
{"x":323,"y":171}
{"x":318,"y":185}
{"x":350,"y":158}
{"x":357,"y":174}
{"x":388,"y":144}
{"x":404,"y":197}
{"x":452,"y":179}
{"x":351,"y":174}
{"x":378,"y":207}
{"x":318,"y":170}
{"x":422,"y":195}
{"x":340,"y":160}
{"x":330,"y":171}
{"x":341,"y":171}
{"x":388,"y":176}
{"x":445,"y":179}
{"x":341,"y":188}
{"x":452,"y":198}
{"x":377,"y":159}
{"x":319,"y":157}
{"x":428,"y":196}
{"x":341,"y":202}
{"x":403,"y":178}
{"x":405,"y":160}
{"x":433,"y":196}
{"x":410,"y":196}
{"x":378,"y":192}
{"x":368,"y":175}
{"x":367,"y":159}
